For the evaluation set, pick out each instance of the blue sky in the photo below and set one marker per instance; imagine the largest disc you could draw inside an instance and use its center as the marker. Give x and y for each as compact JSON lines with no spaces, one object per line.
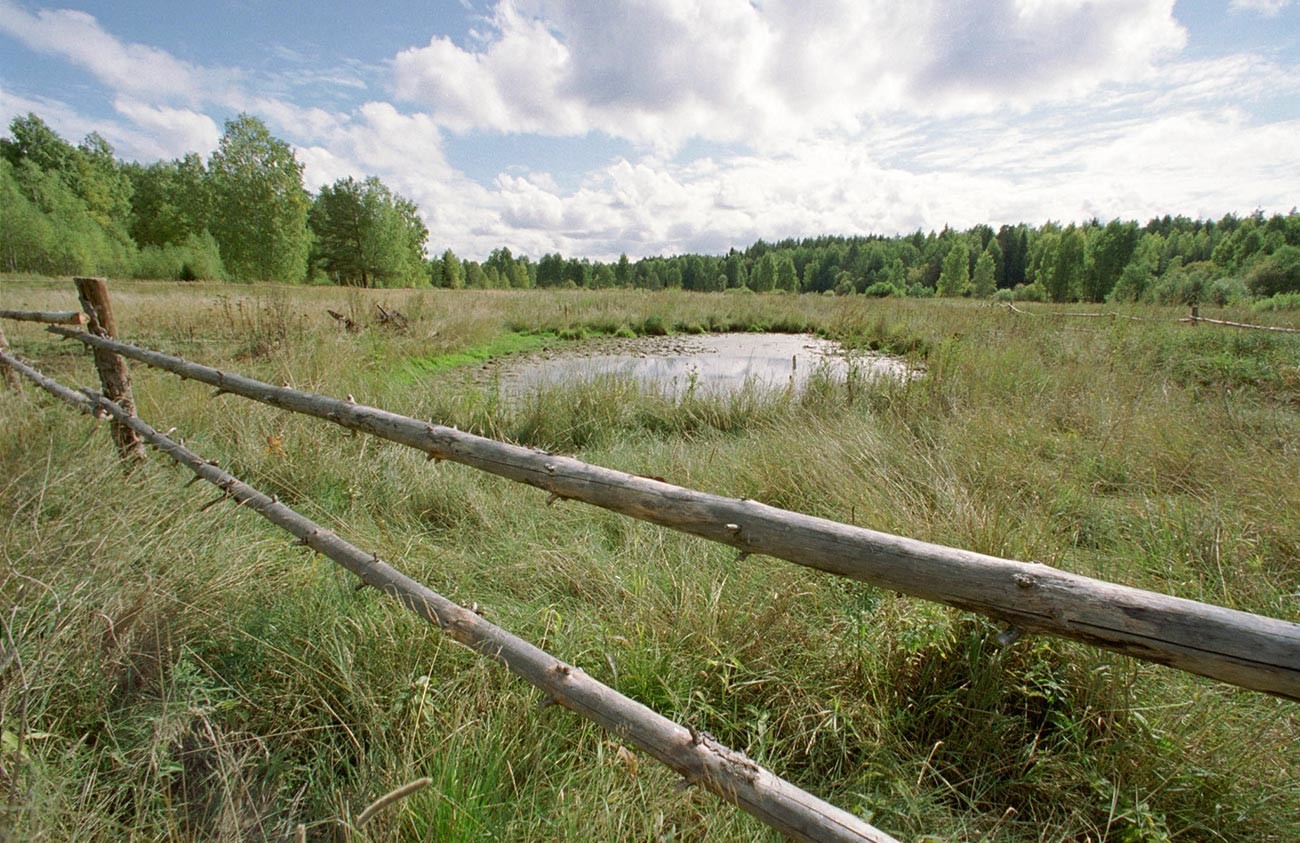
{"x":664,"y":126}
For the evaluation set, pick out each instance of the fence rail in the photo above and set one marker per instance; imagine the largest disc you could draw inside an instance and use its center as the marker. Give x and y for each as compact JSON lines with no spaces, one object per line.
{"x":699,"y":758}
{"x":1252,"y":651}
{"x":48,"y":317}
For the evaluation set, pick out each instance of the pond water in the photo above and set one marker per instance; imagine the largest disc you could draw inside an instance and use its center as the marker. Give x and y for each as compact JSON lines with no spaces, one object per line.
{"x":703,"y":363}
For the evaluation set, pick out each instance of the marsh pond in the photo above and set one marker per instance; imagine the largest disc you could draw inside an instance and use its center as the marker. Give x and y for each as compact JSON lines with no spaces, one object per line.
{"x":695,"y":363}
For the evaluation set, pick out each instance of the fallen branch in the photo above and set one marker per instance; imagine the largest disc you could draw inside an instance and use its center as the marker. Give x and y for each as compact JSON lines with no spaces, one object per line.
{"x":703,"y":761}
{"x":1240,"y":648}
{"x":348,"y":324}
{"x":392,"y":318}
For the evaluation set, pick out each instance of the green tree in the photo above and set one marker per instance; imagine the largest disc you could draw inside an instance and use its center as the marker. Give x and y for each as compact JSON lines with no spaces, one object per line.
{"x":785,"y":276}
{"x":623,"y":271}
{"x":994,"y":250}
{"x":73,"y":219}
{"x":453,"y":273}
{"x":763,"y":278}
{"x":1111,"y":248}
{"x":954,"y":276}
{"x":985,"y":282}
{"x":1065,"y":281}
{"x":36,"y":142}
{"x":366,"y":235}
{"x":169,"y":201}
{"x":259,"y":204}
{"x":1277,"y":273}
{"x":103,"y":185}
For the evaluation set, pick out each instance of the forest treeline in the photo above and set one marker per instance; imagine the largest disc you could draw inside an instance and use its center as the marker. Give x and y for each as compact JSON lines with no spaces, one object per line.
{"x":244,"y":215}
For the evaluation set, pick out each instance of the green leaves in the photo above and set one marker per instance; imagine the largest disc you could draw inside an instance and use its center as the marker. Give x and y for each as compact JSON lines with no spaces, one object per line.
{"x":366,"y":235}
{"x":260,"y":218}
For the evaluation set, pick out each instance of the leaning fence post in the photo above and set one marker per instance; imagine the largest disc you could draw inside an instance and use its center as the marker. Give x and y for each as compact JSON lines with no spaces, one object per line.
{"x":113,"y":374}
{"x":11,"y":378}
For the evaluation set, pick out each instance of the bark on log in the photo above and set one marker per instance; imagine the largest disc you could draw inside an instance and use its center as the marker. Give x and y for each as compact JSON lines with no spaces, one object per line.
{"x":113,"y":374}
{"x":699,"y":758}
{"x":49,"y":317}
{"x":1239,"y":648}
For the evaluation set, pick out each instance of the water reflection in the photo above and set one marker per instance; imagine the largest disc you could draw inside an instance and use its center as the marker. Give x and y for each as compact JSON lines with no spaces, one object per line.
{"x":707,"y":363}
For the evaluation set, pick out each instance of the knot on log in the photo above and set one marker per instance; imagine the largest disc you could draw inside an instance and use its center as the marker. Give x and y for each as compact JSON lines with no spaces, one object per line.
{"x":1024,"y":580}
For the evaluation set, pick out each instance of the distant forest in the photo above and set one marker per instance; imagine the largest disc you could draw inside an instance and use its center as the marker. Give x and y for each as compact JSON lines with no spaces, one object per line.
{"x":245,"y":215}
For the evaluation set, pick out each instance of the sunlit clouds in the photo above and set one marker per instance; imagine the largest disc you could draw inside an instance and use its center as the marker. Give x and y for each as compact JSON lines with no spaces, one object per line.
{"x":731,"y":120}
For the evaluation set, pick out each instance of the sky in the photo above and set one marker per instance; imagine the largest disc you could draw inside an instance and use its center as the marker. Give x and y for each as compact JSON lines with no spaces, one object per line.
{"x":653,"y":127}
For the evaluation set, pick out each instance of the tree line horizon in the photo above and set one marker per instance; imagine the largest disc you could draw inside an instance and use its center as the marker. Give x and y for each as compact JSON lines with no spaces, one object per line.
{"x":245,"y":215}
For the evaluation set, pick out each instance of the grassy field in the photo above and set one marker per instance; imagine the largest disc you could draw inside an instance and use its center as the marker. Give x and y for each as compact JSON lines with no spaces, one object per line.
{"x":172,"y":674}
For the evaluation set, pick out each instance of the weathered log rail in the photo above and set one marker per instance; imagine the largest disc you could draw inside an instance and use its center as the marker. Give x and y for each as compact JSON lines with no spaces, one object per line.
{"x":696,"y":756}
{"x":1239,"y":648}
{"x":47,"y":317}
{"x":1197,"y":318}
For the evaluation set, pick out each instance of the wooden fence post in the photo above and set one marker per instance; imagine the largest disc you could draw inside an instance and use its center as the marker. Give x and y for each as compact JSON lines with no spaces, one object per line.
{"x":113,"y":374}
{"x":11,"y":378}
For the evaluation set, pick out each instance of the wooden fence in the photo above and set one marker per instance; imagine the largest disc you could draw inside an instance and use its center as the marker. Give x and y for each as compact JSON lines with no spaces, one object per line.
{"x":1240,"y":648}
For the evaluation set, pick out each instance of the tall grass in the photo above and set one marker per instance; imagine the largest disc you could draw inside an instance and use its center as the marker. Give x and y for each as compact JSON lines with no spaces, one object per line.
{"x":168,"y":673}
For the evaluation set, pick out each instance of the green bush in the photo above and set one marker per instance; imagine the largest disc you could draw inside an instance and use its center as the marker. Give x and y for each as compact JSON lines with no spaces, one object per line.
{"x":195,"y":259}
{"x":1279,"y":301}
{"x":1277,"y":273}
{"x":1029,"y":292}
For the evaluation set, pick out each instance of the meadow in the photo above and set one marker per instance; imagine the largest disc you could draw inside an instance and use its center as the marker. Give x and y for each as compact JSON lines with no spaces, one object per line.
{"x":169,"y":673}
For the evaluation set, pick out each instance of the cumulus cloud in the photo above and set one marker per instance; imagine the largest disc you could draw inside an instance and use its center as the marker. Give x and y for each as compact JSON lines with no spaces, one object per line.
{"x":76,"y":36}
{"x":178,"y":130}
{"x":662,"y":71}
{"x":847,"y":116}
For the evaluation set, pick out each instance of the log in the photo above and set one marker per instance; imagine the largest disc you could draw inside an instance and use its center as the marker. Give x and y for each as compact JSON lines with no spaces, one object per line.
{"x":49,"y":317}
{"x":699,"y":758}
{"x":113,"y":374}
{"x":1240,"y":648}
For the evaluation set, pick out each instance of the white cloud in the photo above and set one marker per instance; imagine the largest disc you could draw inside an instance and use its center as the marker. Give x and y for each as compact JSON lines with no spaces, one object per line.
{"x":1268,"y":8}
{"x":847,"y":116}
{"x":135,"y":69}
{"x":178,"y":130}
{"x":662,"y":71}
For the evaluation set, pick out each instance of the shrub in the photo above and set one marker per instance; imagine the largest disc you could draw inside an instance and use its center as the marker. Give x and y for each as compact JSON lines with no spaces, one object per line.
{"x":880,"y":290}
{"x":1278,"y":301}
{"x":1029,"y":292}
{"x":1277,"y":273}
